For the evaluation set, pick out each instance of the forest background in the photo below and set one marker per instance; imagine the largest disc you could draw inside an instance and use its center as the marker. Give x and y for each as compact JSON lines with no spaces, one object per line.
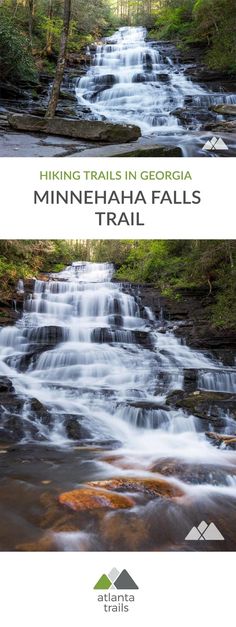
{"x":30,"y":30}
{"x":170,"y":266}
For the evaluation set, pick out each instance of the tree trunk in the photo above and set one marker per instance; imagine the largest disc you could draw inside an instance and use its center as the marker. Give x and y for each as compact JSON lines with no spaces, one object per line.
{"x":31,"y":18}
{"x":49,"y":29}
{"x":52,"y":105}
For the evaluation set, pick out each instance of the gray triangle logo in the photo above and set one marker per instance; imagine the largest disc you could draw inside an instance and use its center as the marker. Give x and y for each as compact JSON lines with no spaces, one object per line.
{"x":125,"y":582}
{"x":116,"y":581}
{"x":212,"y":533}
{"x":194,"y":534}
{"x":215,"y":143}
{"x":204,"y":532}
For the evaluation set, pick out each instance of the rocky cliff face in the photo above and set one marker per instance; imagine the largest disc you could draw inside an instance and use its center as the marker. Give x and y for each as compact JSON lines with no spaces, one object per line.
{"x":189,"y":316}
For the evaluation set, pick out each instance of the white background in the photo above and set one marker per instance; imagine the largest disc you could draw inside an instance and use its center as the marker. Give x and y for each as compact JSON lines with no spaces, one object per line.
{"x":175,"y":589}
{"x":213,"y":218}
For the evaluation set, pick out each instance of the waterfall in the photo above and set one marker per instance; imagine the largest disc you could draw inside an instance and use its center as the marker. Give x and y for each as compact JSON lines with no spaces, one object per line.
{"x":85,"y":347}
{"x":134,"y":81}
{"x":90,"y":365}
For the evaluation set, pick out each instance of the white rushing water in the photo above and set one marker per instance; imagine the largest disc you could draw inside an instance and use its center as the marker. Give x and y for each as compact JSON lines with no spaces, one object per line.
{"x":90,"y":355}
{"x":133,"y":81}
{"x":109,"y":368}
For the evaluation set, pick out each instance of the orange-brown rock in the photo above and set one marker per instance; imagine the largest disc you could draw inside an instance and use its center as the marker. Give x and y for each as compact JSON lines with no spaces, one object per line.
{"x":94,"y":497}
{"x":150,"y":487}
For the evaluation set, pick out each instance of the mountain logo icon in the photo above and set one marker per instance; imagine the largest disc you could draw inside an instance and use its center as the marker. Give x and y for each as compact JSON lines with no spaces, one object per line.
{"x":116,"y":580}
{"x":216,"y":143}
{"x":204,"y":532}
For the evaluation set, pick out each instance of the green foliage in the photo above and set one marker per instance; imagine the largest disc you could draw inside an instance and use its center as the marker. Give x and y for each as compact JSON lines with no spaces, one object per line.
{"x":112,"y":251}
{"x":173,"y":265}
{"x":29,"y":39}
{"x":27,"y":258}
{"x":16,"y":62}
{"x":170,"y":265}
{"x":173,"y":21}
{"x":25,"y":36}
{"x":209,"y":23}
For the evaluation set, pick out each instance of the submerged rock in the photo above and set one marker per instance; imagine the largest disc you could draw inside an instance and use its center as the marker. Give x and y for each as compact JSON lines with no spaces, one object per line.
{"x":92,"y":130}
{"x":94,"y":497}
{"x":193,"y":473}
{"x":126,"y":531}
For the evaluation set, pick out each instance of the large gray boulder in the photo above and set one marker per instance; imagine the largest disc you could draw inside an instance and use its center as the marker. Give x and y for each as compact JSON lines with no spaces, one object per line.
{"x":92,"y":130}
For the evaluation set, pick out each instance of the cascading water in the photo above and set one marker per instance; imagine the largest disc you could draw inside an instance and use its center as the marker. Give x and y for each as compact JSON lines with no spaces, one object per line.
{"x":89,"y":352}
{"x":137,"y":82}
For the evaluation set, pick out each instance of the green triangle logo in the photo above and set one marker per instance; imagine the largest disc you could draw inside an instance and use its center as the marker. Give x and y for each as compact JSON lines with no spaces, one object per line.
{"x":103,"y":583}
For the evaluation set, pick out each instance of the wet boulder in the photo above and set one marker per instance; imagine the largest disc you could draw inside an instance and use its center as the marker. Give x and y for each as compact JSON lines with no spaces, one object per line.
{"x":219,"y":440}
{"x":11,"y":429}
{"x":190,"y":379}
{"x":147,"y":61}
{"x":24,"y":361}
{"x":221,"y":126}
{"x":49,"y":335}
{"x":16,"y":427}
{"x":140,"y":77}
{"x":5,"y":386}
{"x":10,"y":404}
{"x":101,"y":335}
{"x":203,"y":404}
{"x":164,"y":77}
{"x":115,"y":320}
{"x":224,"y":109}
{"x":93,"y":498}
{"x":151,"y":488}
{"x":108,"y":80}
{"x":182,"y":114}
{"x":143,"y":338}
{"x":193,"y":473}
{"x":40,"y":412}
{"x":19,"y":416}
{"x":144,"y":77}
{"x":92,"y":130}
{"x":74,"y":429}
{"x":201,"y":74}
{"x":149,"y":405}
